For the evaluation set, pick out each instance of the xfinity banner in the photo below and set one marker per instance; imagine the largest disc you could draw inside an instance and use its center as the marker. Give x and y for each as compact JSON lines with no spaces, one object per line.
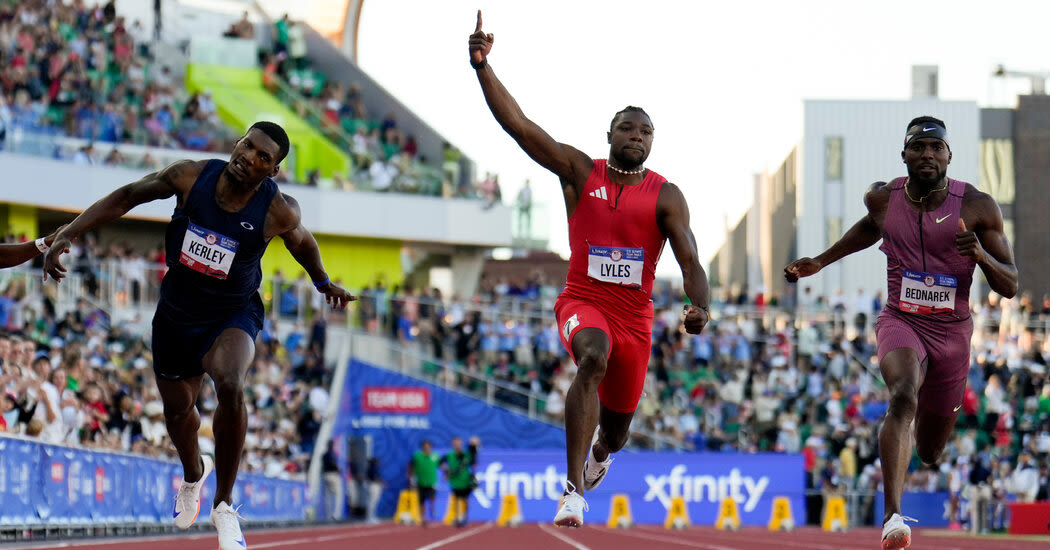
{"x":651,"y":481}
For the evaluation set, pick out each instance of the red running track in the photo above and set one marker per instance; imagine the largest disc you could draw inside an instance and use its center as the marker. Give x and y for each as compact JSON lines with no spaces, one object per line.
{"x":486,"y":536}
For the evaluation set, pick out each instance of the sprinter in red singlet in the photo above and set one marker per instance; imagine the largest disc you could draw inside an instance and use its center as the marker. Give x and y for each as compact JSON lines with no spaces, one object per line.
{"x":620,"y":214}
{"x":934,"y":231}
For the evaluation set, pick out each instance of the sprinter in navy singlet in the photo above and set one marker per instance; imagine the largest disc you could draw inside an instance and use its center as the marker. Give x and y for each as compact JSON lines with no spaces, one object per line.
{"x":210,"y":311}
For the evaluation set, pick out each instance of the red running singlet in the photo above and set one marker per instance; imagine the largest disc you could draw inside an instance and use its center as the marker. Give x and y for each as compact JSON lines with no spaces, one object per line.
{"x":615,"y":242}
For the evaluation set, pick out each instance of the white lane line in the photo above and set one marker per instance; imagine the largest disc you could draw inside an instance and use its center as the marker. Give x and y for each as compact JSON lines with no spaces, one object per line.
{"x":326,"y":538}
{"x":650,"y":535}
{"x":118,"y":541}
{"x":454,"y":538}
{"x":554,"y":533}
{"x":728,"y":536}
{"x":359,"y":531}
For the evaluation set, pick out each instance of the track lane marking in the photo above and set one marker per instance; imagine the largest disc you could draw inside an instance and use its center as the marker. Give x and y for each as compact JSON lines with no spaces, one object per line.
{"x":554,"y":533}
{"x":454,"y":538}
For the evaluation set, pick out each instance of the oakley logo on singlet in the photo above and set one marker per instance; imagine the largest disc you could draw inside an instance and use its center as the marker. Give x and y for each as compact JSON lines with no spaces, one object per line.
{"x":927,"y":293}
{"x":247,"y":226}
{"x":621,"y":266}
{"x":599,"y":193}
{"x":207,"y":252}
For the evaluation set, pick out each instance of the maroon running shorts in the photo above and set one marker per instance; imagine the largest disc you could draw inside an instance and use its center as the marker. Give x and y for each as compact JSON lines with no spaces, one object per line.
{"x":943,"y":348}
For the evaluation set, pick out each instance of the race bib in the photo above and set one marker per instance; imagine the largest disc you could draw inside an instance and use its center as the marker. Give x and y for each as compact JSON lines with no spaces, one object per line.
{"x":927,"y":293}
{"x":621,"y":266}
{"x":207,"y":252}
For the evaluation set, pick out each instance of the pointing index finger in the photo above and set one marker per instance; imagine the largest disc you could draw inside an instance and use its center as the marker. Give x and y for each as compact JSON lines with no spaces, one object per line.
{"x":478,"y":28}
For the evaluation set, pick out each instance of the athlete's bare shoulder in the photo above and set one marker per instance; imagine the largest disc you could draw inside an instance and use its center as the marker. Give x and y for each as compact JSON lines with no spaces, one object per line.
{"x":977,"y":204}
{"x":182,"y":173}
{"x":671,"y":191}
{"x":971,"y":193}
{"x":878,"y":195}
{"x":283,"y":215}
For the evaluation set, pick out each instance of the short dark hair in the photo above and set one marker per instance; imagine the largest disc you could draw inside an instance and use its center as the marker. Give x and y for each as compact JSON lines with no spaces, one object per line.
{"x":925,"y":120}
{"x":628,"y":109}
{"x":276,"y":133}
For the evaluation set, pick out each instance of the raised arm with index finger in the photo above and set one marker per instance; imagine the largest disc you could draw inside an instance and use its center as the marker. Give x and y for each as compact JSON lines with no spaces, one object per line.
{"x":620,"y":215}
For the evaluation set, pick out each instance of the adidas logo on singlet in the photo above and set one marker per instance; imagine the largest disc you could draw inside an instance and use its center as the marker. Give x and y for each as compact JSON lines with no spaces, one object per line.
{"x":599,"y":193}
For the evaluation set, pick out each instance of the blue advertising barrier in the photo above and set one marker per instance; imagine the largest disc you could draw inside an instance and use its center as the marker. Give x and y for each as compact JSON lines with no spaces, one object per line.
{"x":927,"y":508}
{"x":399,"y":412}
{"x":649,"y":479}
{"x":18,"y":481}
{"x":61,"y":485}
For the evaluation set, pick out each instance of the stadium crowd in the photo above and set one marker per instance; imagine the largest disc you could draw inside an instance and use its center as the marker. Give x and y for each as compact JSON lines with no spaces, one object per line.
{"x":67,"y":69}
{"x":70,"y":69}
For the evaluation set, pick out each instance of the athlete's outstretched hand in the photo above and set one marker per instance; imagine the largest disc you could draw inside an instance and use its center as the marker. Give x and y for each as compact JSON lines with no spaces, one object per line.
{"x":480,"y":45}
{"x":802,"y":267}
{"x":336,"y":295}
{"x":696,"y":319}
{"x":967,"y":243}
{"x":53,"y":261}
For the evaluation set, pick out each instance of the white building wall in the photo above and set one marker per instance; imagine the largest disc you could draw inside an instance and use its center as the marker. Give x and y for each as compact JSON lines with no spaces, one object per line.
{"x":873,"y":137}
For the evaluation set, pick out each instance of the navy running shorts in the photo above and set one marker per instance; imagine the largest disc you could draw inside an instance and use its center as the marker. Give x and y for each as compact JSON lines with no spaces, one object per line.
{"x":179,"y":347}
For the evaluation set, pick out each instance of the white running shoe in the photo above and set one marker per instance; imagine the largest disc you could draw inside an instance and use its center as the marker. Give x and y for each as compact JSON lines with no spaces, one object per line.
{"x":570,"y":513}
{"x":188,"y":501}
{"x":594,"y":471}
{"x":895,"y":533}
{"x":226,"y":522}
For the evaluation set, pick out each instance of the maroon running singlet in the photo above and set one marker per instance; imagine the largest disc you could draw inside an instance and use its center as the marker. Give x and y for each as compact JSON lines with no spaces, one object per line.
{"x":928,"y":308}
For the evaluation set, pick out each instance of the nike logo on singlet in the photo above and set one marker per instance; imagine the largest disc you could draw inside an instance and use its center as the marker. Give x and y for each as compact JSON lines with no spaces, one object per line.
{"x":956,"y":409}
{"x":939,"y":220}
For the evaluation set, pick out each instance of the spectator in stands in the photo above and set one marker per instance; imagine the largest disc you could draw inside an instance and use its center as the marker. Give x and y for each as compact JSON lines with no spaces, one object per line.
{"x":382,"y":174}
{"x":114,"y":158}
{"x":1024,"y":482}
{"x":489,"y":189}
{"x":5,"y":119}
{"x":242,"y":28}
{"x":297,"y":45}
{"x":9,"y":412}
{"x":333,"y":482}
{"x":524,"y":204}
{"x":281,"y":38}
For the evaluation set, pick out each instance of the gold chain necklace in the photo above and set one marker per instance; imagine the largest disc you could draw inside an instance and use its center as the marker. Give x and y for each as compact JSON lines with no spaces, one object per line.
{"x":924,"y":197}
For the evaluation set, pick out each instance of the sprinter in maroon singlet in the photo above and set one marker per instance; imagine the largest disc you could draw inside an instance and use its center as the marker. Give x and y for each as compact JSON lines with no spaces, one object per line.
{"x":934,"y":231}
{"x":620,"y":214}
